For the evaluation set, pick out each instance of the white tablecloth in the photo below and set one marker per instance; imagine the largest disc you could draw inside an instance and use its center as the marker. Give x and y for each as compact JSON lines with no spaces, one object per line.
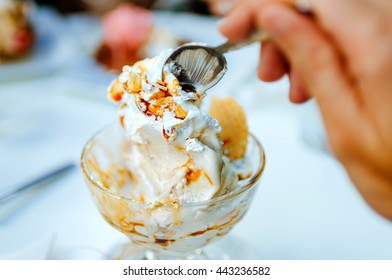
{"x":305,"y":208}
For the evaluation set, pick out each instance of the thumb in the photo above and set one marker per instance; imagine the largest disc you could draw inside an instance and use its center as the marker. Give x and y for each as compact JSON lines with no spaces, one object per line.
{"x":313,"y":57}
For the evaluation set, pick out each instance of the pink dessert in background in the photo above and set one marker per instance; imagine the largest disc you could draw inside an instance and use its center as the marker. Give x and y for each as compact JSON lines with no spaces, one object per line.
{"x":126,"y":31}
{"x":127,"y":26}
{"x":130,"y":34}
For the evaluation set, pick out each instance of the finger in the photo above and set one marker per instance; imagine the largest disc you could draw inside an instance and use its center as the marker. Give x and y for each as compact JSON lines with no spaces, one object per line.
{"x":272,"y":64}
{"x":334,"y":14}
{"x":318,"y":65}
{"x":239,"y":23}
{"x":351,"y":21}
{"x":220,"y":7}
{"x":298,"y":92}
{"x":310,"y":53}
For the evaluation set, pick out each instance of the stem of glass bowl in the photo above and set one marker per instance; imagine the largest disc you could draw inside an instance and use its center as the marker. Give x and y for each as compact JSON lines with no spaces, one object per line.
{"x":131,"y":251}
{"x":198,"y":254}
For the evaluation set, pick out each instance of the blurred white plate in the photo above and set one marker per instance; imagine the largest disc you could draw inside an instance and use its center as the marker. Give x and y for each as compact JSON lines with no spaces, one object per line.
{"x":53,"y":47}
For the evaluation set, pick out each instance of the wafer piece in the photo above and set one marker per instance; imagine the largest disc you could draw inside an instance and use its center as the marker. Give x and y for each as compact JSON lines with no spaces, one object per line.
{"x":232,"y":119}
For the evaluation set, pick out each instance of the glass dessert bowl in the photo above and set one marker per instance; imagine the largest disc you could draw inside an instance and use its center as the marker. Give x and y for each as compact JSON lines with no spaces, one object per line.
{"x":177,"y":231}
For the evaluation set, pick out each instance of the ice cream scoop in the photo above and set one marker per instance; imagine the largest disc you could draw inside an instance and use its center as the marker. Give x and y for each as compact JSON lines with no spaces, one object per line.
{"x":199,"y":64}
{"x":175,"y":153}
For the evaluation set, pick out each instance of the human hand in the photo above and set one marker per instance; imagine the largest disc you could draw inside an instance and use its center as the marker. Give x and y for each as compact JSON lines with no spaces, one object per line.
{"x":341,"y":56}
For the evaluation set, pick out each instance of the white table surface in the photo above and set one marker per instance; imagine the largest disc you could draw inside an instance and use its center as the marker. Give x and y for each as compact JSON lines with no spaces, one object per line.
{"x":305,"y":208}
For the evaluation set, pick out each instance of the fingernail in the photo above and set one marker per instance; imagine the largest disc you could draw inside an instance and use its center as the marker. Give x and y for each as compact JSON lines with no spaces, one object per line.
{"x":225,"y":7}
{"x":274,"y":21}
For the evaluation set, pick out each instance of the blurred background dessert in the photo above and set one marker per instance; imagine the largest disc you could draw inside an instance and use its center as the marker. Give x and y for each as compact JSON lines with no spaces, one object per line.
{"x":129,"y":29}
{"x":129,"y":35}
{"x":102,"y":6}
{"x":16,"y":31}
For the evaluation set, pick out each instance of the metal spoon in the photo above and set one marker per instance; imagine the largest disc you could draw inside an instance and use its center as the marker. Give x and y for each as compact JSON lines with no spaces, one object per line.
{"x":11,"y":192}
{"x":199,"y":65}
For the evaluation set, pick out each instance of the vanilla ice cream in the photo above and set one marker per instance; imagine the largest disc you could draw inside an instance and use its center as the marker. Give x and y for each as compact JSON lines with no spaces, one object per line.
{"x":174,"y":153}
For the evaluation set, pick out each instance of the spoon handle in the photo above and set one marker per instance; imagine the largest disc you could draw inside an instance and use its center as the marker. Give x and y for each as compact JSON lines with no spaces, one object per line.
{"x":12,"y":192}
{"x":259,"y":35}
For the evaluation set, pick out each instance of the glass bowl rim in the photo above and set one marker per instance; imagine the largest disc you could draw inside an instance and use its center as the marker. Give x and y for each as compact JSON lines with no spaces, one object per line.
{"x":236,"y":192}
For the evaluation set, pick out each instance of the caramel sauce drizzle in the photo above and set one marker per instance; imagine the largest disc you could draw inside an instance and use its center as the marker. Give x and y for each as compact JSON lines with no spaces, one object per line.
{"x":208,"y":178}
{"x":192,"y":175}
{"x":227,"y":224}
{"x":164,"y":242}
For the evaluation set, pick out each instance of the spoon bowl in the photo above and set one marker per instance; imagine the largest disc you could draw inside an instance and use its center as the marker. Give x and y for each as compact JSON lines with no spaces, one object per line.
{"x":200,"y":65}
